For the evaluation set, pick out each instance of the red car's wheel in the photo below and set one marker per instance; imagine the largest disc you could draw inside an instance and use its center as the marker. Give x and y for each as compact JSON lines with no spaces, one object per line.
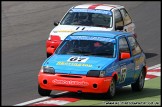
{"x":48,"y":55}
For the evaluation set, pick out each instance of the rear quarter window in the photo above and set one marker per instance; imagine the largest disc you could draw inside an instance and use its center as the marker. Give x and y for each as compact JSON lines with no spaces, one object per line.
{"x":123,"y":45}
{"x":135,"y":48}
{"x":126,"y":17}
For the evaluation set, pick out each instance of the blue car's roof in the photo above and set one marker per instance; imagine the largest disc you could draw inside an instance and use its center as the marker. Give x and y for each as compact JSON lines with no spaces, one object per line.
{"x":110,"y":34}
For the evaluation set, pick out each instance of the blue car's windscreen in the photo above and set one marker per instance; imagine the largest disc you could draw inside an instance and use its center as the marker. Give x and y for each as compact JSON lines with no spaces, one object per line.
{"x":87,"y":47}
{"x":88,"y":17}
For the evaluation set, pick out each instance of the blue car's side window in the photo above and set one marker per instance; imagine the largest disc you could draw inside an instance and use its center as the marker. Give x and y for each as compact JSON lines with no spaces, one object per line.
{"x":135,"y":48}
{"x":123,"y":46}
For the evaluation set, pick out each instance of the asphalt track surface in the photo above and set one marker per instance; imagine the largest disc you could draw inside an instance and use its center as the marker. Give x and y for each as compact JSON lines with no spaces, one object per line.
{"x":26,"y":26}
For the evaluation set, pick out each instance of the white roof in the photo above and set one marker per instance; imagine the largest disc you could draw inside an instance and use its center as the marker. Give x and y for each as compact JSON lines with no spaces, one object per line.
{"x":98,"y":6}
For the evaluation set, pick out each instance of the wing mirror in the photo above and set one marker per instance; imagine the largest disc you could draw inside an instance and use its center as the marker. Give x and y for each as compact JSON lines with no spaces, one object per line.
{"x":124,"y":55}
{"x":56,"y":23}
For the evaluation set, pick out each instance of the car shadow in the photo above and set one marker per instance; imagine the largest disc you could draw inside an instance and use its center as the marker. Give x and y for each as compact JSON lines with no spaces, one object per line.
{"x":150,"y":55}
{"x":122,"y":94}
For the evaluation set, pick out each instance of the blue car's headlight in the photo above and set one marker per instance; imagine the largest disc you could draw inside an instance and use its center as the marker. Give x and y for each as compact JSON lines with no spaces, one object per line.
{"x":96,"y":73}
{"x":47,"y":69}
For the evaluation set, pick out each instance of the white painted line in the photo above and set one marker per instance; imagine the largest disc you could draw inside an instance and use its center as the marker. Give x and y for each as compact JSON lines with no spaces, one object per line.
{"x":155,"y":66}
{"x":32,"y":101}
{"x":153,"y":73}
{"x":55,"y":102}
{"x":38,"y":99}
{"x":61,"y":93}
{"x":147,"y":78}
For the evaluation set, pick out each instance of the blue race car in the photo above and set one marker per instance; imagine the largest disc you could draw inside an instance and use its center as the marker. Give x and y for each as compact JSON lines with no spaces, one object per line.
{"x":94,"y":62}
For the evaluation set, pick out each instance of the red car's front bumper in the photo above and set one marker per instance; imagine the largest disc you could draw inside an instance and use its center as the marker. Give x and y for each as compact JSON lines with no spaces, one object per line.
{"x":74,"y":83}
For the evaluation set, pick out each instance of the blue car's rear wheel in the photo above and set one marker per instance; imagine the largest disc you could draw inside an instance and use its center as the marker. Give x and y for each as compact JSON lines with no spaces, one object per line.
{"x":139,"y":84}
{"x":43,"y":92}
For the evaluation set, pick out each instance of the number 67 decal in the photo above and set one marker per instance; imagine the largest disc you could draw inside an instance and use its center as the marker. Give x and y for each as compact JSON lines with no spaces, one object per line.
{"x":123,"y":73}
{"x":77,"y":59}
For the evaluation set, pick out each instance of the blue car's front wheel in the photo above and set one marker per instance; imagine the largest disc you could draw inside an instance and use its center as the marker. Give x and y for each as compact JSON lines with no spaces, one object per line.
{"x":112,"y":89}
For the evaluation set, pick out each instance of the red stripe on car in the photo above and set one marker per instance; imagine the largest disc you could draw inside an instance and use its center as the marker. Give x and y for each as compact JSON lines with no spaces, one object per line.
{"x":94,"y":6}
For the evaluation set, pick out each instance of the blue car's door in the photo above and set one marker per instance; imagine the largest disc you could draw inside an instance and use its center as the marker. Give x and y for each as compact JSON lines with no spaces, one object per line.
{"x":137,"y":55}
{"x":126,"y":65}
{"x":126,"y":71}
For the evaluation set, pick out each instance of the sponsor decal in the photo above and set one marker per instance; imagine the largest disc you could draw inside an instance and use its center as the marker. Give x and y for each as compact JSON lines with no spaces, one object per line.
{"x":123,"y":73}
{"x":77,"y":59}
{"x":73,"y":64}
{"x":135,"y":76}
{"x":92,"y":11}
{"x":92,"y":38}
{"x":70,"y":82}
{"x":65,"y":31}
{"x":138,"y":62}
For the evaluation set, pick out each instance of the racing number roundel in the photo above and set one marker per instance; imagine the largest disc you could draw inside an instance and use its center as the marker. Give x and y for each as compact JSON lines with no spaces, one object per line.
{"x":77,"y":59}
{"x":123,"y":73}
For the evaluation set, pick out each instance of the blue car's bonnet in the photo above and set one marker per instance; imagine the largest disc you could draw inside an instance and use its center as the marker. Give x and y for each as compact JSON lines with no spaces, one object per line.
{"x":72,"y":64}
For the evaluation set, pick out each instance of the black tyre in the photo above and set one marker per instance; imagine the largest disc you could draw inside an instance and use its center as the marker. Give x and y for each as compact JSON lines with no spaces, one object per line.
{"x":48,"y":55}
{"x":112,"y":89}
{"x":139,"y":84}
{"x":43,"y":92}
